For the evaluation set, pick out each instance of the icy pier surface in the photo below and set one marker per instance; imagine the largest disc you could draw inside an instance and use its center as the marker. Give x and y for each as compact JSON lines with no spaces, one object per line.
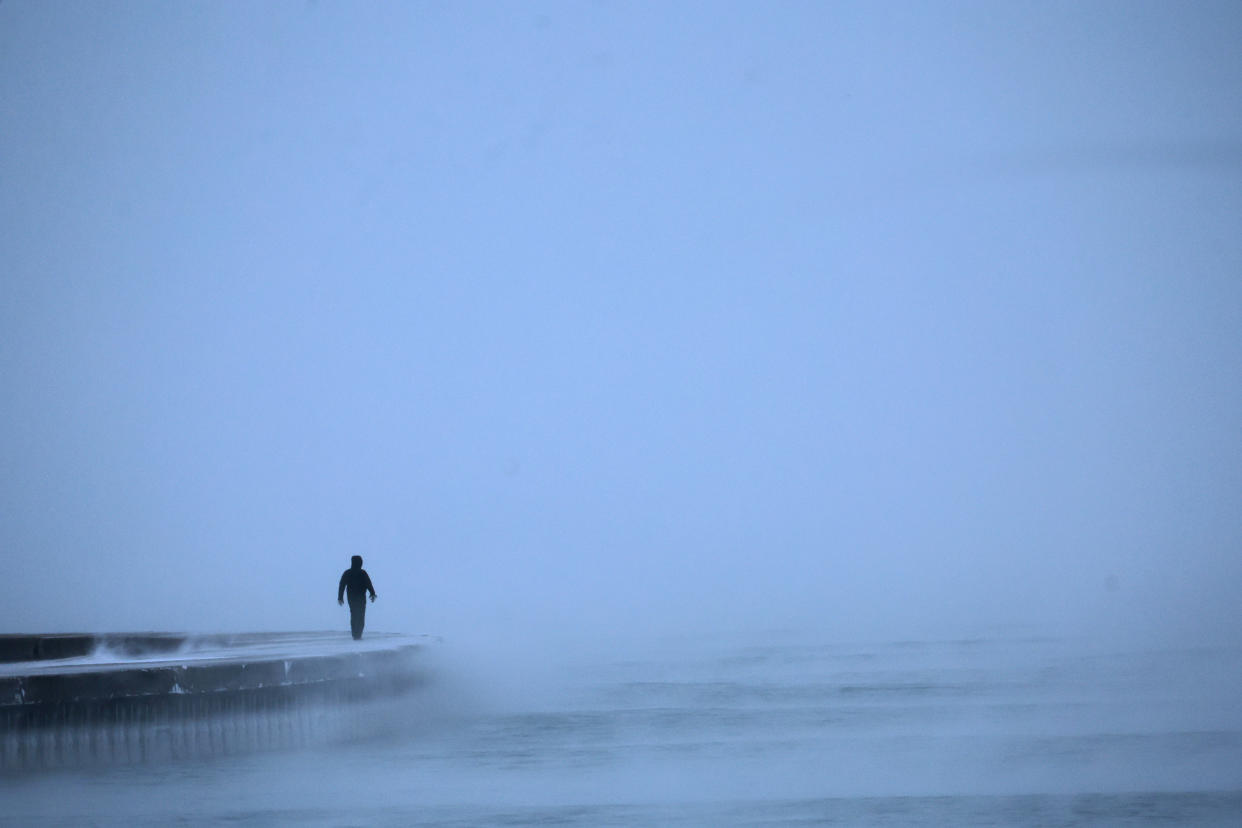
{"x":68,"y":700}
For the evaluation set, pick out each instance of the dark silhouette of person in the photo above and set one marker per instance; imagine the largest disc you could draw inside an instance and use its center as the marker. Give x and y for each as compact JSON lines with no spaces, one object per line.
{"x":358,"y":583}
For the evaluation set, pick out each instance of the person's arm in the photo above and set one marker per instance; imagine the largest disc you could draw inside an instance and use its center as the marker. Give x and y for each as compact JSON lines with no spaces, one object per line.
{"x":340,"y":589}
{"x":370,"y":588}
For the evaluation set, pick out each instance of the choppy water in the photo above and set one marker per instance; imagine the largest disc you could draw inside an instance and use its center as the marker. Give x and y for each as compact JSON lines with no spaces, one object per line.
{"x":778,"y":730}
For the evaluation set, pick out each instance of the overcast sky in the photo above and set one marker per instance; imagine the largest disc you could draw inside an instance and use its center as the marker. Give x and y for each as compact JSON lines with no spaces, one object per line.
{"x":590,"y":316}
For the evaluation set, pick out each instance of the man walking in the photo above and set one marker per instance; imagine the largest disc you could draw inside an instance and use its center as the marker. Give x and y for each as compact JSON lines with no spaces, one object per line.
{"x":358,"y":583}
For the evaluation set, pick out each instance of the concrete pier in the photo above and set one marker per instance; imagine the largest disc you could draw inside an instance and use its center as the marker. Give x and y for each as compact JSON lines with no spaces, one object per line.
{"x":70,"y":700}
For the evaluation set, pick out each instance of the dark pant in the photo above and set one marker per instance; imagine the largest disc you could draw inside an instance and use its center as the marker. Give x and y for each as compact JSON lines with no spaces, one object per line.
{"x":357,"y":617}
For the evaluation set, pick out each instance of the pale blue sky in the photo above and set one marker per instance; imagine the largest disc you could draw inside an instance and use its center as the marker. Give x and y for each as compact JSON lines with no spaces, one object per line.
{"x":618,"y":314}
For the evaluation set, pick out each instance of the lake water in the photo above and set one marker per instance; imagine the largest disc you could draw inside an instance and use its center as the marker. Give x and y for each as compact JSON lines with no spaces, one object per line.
{"x":778,"y":729}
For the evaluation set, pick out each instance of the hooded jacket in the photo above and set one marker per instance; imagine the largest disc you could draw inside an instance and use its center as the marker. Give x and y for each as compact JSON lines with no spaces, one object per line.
{"x":356,"y":581}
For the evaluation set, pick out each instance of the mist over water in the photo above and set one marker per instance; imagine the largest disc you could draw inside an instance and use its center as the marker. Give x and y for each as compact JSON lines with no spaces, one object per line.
{"x":722,"y":730}
{"x":623,"y":341}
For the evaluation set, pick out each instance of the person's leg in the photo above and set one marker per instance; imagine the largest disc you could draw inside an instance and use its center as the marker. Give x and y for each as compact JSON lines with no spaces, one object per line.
{"x":357,"y":618}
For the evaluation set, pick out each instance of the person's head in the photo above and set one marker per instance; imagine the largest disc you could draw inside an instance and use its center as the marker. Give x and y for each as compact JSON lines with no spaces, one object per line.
{"x":356,"y":561}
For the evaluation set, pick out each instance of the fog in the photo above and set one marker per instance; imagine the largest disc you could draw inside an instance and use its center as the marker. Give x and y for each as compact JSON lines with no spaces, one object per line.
{"x":581,"y":319}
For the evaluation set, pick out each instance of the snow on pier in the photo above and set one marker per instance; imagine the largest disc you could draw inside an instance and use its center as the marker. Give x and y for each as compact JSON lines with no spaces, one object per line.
{"x":71,"y":700}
